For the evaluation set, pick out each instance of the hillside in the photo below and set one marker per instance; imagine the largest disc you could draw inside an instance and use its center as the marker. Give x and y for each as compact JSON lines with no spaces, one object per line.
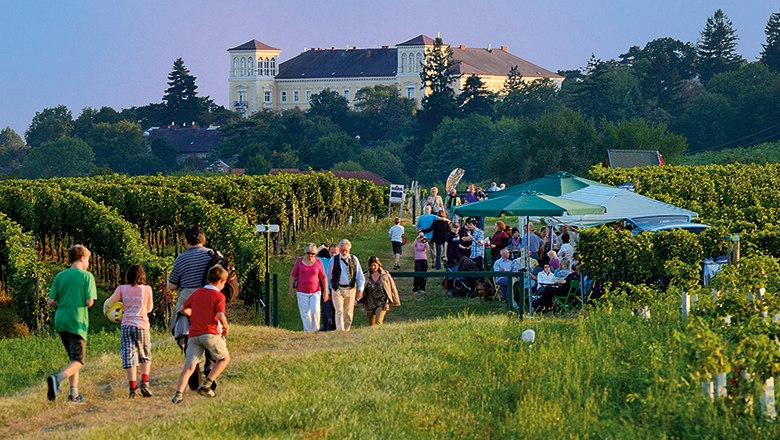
{"x":439,"y":368}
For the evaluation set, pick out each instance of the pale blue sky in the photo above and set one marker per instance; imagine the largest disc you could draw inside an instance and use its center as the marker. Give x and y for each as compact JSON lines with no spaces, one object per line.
{"x":118,"y":53}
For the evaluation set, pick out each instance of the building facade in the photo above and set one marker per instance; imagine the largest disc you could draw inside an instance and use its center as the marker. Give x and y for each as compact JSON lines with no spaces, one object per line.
{"x":258,"y":81}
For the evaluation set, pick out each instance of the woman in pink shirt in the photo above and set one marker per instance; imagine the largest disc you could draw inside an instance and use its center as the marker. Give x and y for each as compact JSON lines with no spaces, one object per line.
{"x":136,"y":346}
{"x":420,"y":247}
{"x":309,"y":283}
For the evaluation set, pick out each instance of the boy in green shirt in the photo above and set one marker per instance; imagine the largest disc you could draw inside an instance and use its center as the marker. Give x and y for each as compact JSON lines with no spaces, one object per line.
{"x":72,"y":292}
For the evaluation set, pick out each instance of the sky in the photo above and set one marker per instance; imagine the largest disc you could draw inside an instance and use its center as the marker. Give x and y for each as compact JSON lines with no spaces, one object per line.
{"x":95,"y":53}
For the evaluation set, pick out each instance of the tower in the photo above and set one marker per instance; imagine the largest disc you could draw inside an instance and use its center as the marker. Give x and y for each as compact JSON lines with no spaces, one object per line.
{"x":411,"y":60}
{"x":253,"y":66}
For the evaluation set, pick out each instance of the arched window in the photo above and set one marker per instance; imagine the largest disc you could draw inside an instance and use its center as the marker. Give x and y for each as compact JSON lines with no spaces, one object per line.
{"x":250,"y":70}
{"x":243,"y":66}
{"x":418,"y":66}
{"x":235,"y":66}
{"x":273,"y":66}
{"x":267,"y":67}
{"x":403,"y":63}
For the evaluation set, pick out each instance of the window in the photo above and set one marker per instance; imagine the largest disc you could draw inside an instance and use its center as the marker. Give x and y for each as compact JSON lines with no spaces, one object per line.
{"x":250,"y":70}
{"x":267,"y":97}
{"x":267,"y":67}
{"x":308,"y":96}
{"x":419,"y":63}
{"x":235,"y":66}
{"x":243,"y":66}
{"x":242,"y":96}
{"x":296,"y":96}
{"x":346,"y":94}
{"x":410,"y":92}
{"x":403,"y":63}
{"x":273,"y":66}
{"x":283,"y":96}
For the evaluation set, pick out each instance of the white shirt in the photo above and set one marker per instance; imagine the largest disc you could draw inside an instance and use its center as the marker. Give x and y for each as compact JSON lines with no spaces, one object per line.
{"x":545,"y":278}
{"x":502,"y":265}
{"x":396,"y":232}
{"x":567,"y":250}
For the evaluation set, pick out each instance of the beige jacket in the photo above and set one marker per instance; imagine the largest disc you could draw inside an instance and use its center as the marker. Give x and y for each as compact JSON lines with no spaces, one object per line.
{"x":389,"y":285}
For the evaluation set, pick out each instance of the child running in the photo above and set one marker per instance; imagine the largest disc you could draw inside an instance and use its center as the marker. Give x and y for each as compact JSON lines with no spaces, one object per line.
{"x":72,"y":293}
{"x":136,"y":344}
{"x":206,"y":309}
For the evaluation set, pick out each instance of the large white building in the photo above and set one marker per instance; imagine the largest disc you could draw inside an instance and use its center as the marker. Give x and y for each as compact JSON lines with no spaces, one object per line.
{"x":258,"y":80}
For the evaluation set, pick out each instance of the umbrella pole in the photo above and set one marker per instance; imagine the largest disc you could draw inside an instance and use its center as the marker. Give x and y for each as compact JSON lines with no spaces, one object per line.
{"x":528,"y":264}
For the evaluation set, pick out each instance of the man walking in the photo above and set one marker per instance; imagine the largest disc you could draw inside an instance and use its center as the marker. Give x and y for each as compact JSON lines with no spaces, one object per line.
{"x":347,"y":281}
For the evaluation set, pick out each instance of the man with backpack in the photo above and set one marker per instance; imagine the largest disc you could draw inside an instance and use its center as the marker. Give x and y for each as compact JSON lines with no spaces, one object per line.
{"x":187,"y":277}
{"x":347,"y":281}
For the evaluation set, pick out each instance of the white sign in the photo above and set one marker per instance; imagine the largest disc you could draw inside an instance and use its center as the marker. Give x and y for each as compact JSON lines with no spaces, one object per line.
{"x":266,"y":228}
{"x":396,"y":193}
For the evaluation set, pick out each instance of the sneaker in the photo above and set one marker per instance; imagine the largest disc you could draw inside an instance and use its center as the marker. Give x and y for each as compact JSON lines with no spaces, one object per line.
{"x":207,"y":392}
{"x":145,"y":390}
{"x":54,"y":387}
{"x":79,"y":400}
{"x":178,"y":397}
{"x":132,"y":393}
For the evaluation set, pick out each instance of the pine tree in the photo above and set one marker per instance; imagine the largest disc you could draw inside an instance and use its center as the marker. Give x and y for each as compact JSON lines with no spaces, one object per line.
{"x":475,"y":98}
{"x":513,"y":82}
{"x":716,"y":48}
{"x":771,"y":53}
{"x":181,"y":96}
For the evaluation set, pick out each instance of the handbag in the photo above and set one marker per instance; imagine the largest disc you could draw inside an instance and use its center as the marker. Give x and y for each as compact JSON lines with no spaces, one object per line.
{"x":295,"y":281}
{"x":403,"y":240}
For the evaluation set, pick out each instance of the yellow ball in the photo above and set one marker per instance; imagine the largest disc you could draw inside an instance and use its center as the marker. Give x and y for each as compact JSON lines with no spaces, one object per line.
{"x":114,"y":313}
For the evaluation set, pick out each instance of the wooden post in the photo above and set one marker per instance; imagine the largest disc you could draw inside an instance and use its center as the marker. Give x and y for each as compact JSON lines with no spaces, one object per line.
{"x":686,"y":304}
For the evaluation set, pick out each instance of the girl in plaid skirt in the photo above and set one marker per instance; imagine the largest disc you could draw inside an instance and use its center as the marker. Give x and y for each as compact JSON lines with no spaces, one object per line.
{"x":136,"y":346}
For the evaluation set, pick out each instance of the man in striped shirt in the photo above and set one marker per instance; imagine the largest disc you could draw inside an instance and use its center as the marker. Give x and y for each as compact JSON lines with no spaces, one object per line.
{"x":189,"y":267}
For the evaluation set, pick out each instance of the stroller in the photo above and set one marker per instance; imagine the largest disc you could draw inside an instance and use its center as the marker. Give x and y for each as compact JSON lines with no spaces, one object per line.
{"x":459,"y":286}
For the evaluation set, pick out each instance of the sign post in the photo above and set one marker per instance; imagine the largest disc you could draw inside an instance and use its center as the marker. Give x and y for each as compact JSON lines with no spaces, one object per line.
{"x":397,"y":197}
{"x":267,"y":229}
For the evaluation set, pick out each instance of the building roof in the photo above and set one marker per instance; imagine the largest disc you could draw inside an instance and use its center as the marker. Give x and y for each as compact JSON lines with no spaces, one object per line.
{"x":253,"y":45}
{"x":420,"y":40}
{"x":340,"y":63}
{"x":495,"y":62}
{"x":189,"y":140}
{"x":633,"y":158}
{"x":363,"y":175}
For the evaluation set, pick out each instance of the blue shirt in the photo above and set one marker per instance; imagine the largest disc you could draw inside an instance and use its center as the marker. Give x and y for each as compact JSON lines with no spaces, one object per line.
{"x":536,"y":241}
{"x":425,"y":222}
{"x":477,"y":250}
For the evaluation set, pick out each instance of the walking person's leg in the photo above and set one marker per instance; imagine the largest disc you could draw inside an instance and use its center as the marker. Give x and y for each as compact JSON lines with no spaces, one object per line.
{"x":423,"y":268}
{"x":303,"y":310}
{"x":314,"y":311}
{"x":349,"y":307}
{"x":338,"y":305}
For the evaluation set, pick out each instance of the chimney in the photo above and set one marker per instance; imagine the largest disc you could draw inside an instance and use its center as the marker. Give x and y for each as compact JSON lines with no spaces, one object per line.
{"x":385,"y":47}
{"x":490,"y":47}
{"x":332,"y":48}
{"x":462,"y":46}
{"x":504,"y":48}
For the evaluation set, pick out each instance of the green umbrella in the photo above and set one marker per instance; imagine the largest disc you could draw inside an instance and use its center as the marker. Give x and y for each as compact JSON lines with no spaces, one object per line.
{"x":529,"y":203}
{"x":555,"y":184}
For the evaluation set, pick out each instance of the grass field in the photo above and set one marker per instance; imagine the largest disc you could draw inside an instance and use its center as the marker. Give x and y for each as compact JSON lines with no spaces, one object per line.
{"x":439,"y":368}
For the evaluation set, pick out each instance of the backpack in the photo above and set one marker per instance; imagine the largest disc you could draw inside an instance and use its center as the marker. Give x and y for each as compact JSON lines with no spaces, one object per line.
{"x":231,"y":288}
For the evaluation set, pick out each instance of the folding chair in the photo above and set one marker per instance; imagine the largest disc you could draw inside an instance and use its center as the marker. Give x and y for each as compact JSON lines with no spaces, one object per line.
{"x":568,"y":302}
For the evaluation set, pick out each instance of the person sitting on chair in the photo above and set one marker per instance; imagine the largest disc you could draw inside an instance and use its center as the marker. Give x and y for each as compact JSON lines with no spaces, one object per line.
{"x":548,"y":288}
{"x":503,"y":264}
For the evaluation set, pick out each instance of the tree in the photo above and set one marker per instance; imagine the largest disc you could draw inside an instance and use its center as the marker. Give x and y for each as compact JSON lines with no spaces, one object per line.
{"x":437,"y":78}
{"x":89,"y":117}
{"x":122,"y":148}
{"x":48,"y":125}
{"x":330,"y":104}
{"x":770,"y":55}
{"x":637,"y":134}
{"x":382,"y":161}
{"x":382,"y":114}
{"x":475,"y":99}
{"x":165,"y":151}
{"x":12,"y":146}
{"x":333,"y":148}
{"x":716,"y":50}
{"x":529,"y":99}
{"x":609,"y":90}
{"x":181,"y":96}
{"x":64,"y":157}
{"x":457,"y":143}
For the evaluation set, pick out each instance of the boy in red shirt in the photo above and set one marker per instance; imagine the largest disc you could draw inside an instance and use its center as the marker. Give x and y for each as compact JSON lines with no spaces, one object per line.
{"x":206,"y":309}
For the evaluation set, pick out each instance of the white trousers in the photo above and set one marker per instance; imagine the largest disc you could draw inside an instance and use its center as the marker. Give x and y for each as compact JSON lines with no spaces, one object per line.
{"x":309,"y":306}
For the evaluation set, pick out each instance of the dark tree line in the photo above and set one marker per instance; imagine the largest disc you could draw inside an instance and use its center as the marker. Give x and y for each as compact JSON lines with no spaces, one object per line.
{"x":668,"y":95}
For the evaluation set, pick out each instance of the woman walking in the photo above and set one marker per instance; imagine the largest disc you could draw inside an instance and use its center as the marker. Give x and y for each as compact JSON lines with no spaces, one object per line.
{"x":309,"y":283}
{"x":379,"y":293}
{"x":420,"y":247}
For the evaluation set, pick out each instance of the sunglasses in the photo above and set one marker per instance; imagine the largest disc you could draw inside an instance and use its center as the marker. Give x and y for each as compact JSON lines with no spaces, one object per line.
{"x":311,"y":253}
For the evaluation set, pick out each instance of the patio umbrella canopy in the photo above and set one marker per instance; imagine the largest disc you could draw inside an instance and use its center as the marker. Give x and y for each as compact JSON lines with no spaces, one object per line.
{"x":554,"y":184}
{"x":528,"y":203}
